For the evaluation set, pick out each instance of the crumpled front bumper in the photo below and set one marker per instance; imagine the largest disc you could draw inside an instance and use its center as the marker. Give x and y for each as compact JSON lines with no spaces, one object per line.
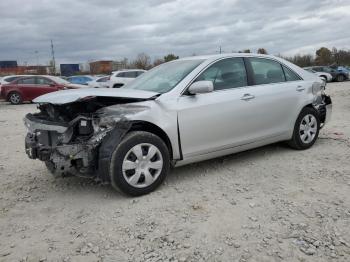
{"x":57,"y":143}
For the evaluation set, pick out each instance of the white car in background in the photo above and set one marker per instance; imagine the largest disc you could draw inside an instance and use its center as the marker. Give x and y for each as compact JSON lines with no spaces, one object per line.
{"x":122,"y":77}
{"x":99,"y":82}
{"x":327,"y":77}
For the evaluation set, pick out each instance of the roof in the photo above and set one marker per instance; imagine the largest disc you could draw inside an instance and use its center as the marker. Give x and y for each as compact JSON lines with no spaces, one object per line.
{"x":128,"y":70}
{"x":218,"y":56}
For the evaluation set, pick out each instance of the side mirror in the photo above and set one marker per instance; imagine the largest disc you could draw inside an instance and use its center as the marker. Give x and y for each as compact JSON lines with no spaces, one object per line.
{"x":201,"y":87}
{"x":52,"y":84}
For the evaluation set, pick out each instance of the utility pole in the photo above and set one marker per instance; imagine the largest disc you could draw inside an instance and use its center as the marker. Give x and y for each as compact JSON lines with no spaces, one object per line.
{"x":220,"y":50}
{"x":53,"y":58}
{"x":36,"y":52}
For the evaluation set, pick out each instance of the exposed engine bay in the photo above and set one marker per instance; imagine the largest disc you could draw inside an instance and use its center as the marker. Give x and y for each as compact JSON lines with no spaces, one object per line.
{"x":78,"y":138}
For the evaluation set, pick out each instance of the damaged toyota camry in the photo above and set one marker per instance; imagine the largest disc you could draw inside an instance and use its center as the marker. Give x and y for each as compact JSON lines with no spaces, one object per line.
{"x":180,"y":112}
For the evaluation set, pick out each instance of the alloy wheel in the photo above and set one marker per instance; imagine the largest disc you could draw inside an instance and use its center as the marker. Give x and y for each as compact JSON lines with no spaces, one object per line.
{"x":15,"y":98}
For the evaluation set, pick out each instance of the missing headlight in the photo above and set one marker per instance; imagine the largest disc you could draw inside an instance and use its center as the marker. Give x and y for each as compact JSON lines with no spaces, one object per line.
{"x":85,"y":127}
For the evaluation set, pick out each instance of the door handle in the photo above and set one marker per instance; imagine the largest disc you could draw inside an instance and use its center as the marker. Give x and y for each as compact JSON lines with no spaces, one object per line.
{"x":300,"y":88}
{"x":247,"y":97}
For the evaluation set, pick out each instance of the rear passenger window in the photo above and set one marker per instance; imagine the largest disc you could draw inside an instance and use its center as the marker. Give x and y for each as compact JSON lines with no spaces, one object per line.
{"x":225,"y":74}
{"x":132,"y":74}
{"x":266,"y":71}
{"x":290,"y":75}
{"x":27,"y":81}
{"x":122,"y":74}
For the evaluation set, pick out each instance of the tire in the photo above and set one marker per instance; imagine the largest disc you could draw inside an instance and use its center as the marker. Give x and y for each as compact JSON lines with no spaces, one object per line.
{"x":131,"y":172}
{"x":118,"y":85}
{"x":305,"y":134}
{"x":15,"y":98}
{"x":340,"y":78}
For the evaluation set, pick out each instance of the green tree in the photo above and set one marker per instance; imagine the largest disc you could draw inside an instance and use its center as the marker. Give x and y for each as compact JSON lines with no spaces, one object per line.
{"x":170,"y":57}
{"x":323,"y":56}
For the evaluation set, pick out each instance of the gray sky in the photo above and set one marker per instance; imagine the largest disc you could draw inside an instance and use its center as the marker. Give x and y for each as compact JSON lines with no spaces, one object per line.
{"x":84,"y":30}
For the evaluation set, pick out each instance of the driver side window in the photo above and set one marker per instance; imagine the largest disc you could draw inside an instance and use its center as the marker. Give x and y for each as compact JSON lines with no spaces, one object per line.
{"x":226,"y":74}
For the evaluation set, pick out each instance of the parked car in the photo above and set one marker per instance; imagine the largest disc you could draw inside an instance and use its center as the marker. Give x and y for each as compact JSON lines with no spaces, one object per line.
{"x":327,"y":77}
{"x":80,"y":80}
{"x":122,"y":77}
{"x":29,"y":87}
{"x":338,"y":75}
{"x":99,"y":82}
{"x":180,"y":112}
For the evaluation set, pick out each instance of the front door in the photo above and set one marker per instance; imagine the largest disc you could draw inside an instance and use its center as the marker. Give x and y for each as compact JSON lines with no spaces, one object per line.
{"x":219,"y":119}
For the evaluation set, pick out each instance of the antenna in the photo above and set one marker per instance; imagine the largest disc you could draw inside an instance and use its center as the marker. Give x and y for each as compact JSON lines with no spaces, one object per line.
{"x":53,"y":58}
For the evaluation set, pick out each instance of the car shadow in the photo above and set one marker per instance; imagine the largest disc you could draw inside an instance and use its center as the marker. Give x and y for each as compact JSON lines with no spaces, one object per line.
{"x":177,"y":176}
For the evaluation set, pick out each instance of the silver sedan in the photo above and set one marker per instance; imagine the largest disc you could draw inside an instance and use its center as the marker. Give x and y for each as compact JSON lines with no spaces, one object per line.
{"x":180,"y":112}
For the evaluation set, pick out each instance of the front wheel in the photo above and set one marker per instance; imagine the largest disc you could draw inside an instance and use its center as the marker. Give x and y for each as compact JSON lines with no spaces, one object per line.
{"x":306,"y":129}
{"x":139,"y":163}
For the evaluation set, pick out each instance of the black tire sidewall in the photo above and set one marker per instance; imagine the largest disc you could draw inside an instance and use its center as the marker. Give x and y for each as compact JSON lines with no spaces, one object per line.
{"x":296,"y":140}
{"x":133,"y":138}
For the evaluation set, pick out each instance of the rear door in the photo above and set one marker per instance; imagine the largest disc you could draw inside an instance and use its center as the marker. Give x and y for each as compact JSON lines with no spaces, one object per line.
{"x":27,"y":88}
{"x":43,"y":86}
{"x":278,"y":93}
{"x":130,"y":76}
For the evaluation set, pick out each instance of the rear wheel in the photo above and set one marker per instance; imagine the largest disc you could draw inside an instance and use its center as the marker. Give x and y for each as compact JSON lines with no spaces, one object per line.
{"x":15,"y":98}
{"x":340,"y":78}
{"x":139,"y":163}
{"x":306,"y":129}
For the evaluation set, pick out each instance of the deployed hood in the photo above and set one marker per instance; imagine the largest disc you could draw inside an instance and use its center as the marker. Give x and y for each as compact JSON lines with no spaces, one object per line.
{"x":69,"y":96}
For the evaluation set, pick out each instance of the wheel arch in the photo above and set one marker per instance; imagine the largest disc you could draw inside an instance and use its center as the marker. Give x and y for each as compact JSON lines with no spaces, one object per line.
{"x":146,"y":126}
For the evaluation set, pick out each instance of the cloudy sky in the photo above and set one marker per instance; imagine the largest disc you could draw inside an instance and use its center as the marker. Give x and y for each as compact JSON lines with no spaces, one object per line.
{"x":84,"y":30}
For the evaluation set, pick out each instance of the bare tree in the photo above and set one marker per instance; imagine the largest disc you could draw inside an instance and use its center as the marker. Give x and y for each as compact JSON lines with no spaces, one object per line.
{"x":157,"y":62}
{"x":142,"y":61}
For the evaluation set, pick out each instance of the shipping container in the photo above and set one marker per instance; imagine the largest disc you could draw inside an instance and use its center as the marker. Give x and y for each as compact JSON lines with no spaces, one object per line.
{"x":8,"y":64}
{"x":69,"y":69}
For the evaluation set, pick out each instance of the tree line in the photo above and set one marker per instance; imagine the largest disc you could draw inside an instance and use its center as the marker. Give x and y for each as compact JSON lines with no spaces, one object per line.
{"x":323,"y":56}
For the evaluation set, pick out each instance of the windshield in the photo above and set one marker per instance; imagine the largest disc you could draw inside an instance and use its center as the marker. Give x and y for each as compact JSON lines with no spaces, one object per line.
{"x":165,"y":77}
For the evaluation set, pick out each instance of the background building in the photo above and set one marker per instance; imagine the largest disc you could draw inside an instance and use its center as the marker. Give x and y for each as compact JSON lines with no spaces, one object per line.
{"x":101,"y":67}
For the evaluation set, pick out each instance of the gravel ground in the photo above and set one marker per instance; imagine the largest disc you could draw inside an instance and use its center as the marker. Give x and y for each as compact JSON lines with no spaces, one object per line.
{"x":268,"y":204}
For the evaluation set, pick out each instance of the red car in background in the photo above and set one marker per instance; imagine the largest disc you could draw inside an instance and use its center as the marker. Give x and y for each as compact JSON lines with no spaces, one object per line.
{"x":28,"y":88}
